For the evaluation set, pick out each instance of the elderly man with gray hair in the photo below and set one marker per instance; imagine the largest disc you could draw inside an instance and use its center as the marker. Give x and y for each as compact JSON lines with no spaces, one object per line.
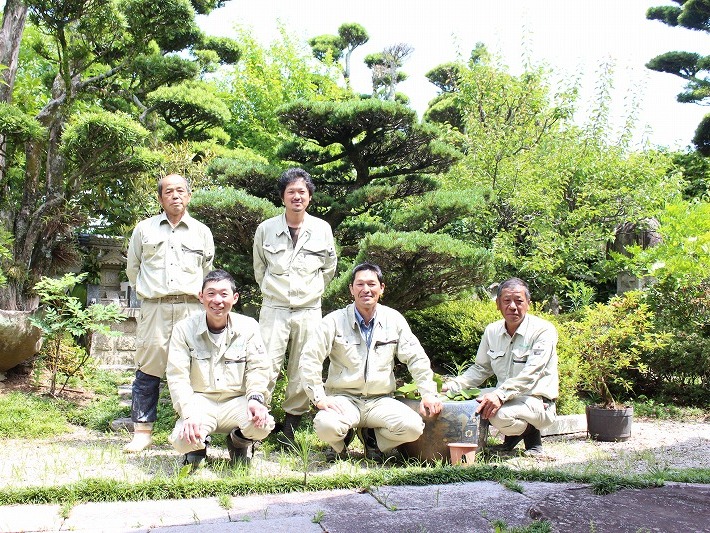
{"x":521,"y":352}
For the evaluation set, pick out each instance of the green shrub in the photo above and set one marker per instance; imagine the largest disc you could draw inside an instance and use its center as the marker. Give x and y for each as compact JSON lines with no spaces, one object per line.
{"x":680,"y":370}
{"x":451,"y":332}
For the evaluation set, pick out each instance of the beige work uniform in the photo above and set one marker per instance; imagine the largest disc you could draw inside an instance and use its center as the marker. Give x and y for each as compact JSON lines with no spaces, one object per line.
{"x":166,"y":266}
{"x":292,"y":279}
{"x":525,"y":366}
{"x":211,"y":382}
{"x":362,"y":379}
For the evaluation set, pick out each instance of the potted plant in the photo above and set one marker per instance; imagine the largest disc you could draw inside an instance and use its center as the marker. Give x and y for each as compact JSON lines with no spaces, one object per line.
{"x":457,"y":422}
{"x":609,"y":340}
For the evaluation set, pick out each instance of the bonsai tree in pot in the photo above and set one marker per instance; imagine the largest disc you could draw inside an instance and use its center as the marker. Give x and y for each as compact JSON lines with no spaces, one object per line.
{"x":609,"y":339}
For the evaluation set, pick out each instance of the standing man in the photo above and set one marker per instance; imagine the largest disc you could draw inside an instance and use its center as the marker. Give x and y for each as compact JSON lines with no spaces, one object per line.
{"x":168,"y":255}
{"x":521,"y":352}
{"x":294,"y":259}
{"x":362,"y":341}
{"x":217,"y":375}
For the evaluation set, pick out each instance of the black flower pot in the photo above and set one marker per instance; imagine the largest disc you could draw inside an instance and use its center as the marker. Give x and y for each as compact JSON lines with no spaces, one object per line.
{"x":609,"y":425}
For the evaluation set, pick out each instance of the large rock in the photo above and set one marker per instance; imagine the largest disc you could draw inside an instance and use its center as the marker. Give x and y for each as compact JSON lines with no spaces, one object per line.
{"x":19,"y":339}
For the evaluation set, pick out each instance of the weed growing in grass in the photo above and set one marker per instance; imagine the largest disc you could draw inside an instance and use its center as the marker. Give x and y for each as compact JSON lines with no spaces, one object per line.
{"x":225,"y":501}
{"x":542,"y":526}
{"x":302,"y":446}
{"x":512,"y":484}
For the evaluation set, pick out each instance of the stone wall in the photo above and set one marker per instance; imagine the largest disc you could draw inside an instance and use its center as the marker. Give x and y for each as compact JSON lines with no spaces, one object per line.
{"x":117,"y":351}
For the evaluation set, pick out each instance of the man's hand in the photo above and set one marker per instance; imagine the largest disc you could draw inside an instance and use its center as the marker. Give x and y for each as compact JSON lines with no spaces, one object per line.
{"x":489,"y":405}
{"x":192,"y":431}
{"x":430,"y":405}
{"x":258,"y":413}
{"x":330,"y":404}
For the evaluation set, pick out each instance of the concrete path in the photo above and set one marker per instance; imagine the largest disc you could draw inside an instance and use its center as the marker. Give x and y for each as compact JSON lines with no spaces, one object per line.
{"x":455,"y":508}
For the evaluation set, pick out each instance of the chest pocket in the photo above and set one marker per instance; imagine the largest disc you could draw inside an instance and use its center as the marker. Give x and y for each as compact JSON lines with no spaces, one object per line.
{"x":235,"y":362}
{"x":312,"y":256}
{"x":384,"y":353}
{"x":191,"y":259}
{"x":346,"y":352}
{"x":153,"y":253}
{"x":275,"y":254}
{"x":199,"y":369}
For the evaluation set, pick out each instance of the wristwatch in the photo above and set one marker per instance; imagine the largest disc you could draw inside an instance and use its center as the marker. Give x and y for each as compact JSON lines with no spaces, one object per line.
{"x":258,"y":397}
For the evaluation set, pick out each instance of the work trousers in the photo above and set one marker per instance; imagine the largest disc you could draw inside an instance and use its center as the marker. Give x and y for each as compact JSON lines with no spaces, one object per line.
{"x":514,"y":415}
{"x":220,"y":414}
{"x":393,"y":421}
{"x":288,"y":330}
{"x":153,"y":331}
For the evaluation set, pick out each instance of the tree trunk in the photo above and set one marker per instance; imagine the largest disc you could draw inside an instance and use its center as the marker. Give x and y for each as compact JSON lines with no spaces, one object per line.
{"x":13,"y":24}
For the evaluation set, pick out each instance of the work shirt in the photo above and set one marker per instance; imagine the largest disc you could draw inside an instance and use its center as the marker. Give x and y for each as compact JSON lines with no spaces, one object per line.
{"x":164,"y":261}
{"x":524,"y":364}
{"x":238,"y":366}
{"x":356,"y":370}
{"x":293,"y":276}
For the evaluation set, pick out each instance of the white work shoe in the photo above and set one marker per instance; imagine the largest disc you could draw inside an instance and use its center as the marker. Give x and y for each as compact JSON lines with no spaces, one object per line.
{"x":142,"y":439}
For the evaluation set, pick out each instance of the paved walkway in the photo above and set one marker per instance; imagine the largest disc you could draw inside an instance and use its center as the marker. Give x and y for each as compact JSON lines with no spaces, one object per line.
{"x":455,"y":508}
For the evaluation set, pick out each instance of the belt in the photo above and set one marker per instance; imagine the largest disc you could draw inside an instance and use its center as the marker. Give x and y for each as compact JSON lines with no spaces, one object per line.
{"x":174,"y":299}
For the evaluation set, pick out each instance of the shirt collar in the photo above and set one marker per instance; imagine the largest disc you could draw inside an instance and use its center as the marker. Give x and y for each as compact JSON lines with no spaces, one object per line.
{"x":284,"y":225}
{"x":186,"y":219}
{"x":521,"y":328}
{"x":361,"y":321}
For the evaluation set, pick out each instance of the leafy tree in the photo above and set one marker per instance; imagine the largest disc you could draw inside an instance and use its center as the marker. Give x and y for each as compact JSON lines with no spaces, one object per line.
{"x":554,"y":192}
{"x":61,"y":319}
{"x":79,"y":131}
{"x":385,"y":67}
{"x":334,"y":47}
{"x":363,"y":152}
{"x":265,"y":79}
{"x":692,"y":67}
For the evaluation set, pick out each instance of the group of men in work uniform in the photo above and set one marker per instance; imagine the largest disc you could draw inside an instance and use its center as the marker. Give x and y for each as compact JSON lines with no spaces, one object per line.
{"x":222,"y":367}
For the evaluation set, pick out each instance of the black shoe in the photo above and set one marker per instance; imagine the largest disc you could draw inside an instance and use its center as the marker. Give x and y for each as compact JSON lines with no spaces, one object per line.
{"x":239,"y":448}
{"x":369,"y":442}
{"x":509,"y":444}
{"x":331,"y":455}
{"x":194,"y":459}
{"x":288,"y":429}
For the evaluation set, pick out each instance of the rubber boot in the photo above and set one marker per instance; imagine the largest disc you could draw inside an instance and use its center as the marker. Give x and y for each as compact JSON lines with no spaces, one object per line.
{"x":239,"y":448}
{"x":142,"y":437}
{"x":290,"y":424}
{"x":511,"y":441}
{"x":533,"y":441}
{"x":369,"y":443}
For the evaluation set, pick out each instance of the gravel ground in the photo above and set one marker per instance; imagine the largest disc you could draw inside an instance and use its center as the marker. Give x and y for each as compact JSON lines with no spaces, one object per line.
{"x":655,"y":446}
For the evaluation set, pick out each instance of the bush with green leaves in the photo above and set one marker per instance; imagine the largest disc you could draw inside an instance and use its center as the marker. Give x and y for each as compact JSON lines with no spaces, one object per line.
{"x":609,"y":340}
{"x":62,"y":319}
{"x":680,"y":370}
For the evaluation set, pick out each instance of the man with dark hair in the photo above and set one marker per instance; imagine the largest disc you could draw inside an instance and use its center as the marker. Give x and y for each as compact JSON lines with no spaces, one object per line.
{"x":362,"y":341}
{"x":521,"y":352}
{"x":168,"y":255}
{"x":294,"y":259}
{"x":218,"y":374}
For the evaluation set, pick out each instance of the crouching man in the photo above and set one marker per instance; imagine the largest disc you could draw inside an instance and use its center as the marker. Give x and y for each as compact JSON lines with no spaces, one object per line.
{"x":218,"y":374}
{"x":521,"y":352}
{"x":362,"y":341}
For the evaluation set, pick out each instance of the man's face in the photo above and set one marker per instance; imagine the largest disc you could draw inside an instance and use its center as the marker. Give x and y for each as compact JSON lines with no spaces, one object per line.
{"x":366,"y":289}
{"x":513,"y":304}
{"x":174,"y":196}
{"x":296,"y":196}
{"x":217,"y":298}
